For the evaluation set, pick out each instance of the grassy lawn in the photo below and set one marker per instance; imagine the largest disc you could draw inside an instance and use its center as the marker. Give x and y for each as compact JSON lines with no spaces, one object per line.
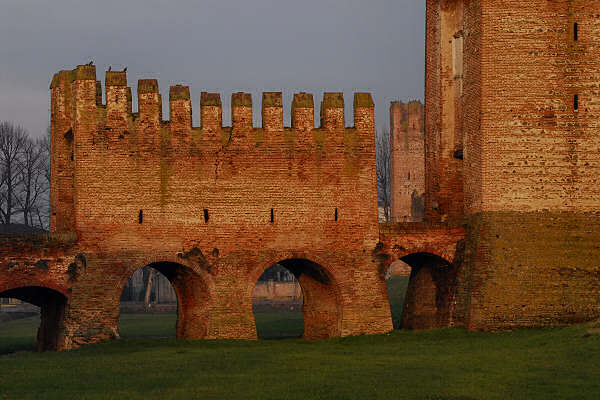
{"x":148,"y":363}
{"x":19,"y":335}
{"x":269,"y":325}
{"x":554,"y":363}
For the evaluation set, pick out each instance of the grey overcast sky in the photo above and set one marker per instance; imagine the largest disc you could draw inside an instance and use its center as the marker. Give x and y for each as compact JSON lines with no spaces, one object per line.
{"x":215,"y":45}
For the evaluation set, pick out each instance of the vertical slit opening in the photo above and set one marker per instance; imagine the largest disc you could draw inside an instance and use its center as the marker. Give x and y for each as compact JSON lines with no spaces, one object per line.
{"x":272,"y":216}
{"x":336,"y":215}
{"x":575,"y":31}
{"x":205,"y":215}
{"x":576,"y":102}
{"x":141,"y":216}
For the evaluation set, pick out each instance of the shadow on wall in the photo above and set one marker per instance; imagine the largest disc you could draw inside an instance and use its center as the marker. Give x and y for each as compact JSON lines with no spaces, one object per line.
{"x":430,"y":292}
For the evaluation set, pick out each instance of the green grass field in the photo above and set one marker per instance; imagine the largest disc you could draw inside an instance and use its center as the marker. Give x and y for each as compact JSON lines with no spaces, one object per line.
{"x":558,"y":363}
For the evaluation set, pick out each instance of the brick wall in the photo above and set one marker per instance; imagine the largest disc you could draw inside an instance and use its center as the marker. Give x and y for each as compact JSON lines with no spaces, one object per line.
{"x":443,"y":113}
{"x":214,"y":206}
{"x":40,"y":269}
{"x":531,"y":160}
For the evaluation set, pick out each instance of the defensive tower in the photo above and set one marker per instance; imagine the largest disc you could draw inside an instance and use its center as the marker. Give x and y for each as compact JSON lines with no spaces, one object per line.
{"x":407,"y":157}
{"x":512,"y":127}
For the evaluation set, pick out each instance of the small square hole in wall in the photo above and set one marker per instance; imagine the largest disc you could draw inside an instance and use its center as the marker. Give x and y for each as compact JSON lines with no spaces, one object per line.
{"x":206,"y":215}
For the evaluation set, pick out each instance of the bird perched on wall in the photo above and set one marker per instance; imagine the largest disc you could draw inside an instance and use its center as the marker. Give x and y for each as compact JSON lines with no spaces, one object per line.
{"x":125,"y":69}
{"x":109,"y":68}
{"x":90,"y":63}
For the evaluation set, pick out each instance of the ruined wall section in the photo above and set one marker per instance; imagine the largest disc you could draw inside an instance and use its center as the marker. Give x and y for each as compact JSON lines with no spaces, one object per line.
{"x":407,"y":158}
{"x":139,"y":178}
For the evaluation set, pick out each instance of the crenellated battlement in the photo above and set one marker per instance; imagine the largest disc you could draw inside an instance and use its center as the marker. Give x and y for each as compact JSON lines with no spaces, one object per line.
{"x":110,"y":163}
{"x":118,"y":107}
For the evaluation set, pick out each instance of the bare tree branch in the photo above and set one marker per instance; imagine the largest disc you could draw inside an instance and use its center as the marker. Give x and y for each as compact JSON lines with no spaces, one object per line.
{"x":12,"y":142}
{"x":382,"y":143}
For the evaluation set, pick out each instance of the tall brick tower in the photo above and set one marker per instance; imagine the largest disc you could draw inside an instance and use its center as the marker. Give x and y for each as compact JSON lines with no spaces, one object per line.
{"x":407,"y":161}
{"x":512,"y":145}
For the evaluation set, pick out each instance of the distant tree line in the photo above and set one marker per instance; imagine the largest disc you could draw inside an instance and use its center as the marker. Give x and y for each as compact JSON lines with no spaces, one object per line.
{"x":24,"y":177}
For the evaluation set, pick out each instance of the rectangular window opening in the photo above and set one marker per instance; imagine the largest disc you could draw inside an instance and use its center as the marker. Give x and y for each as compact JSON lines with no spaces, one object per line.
{"x":272,"y":216}
{"x":141,"y":217}
{"x":205,"y":215}
{"x":576,"y":102}
{"x":336,"y":215}
{"x":575,"y":31}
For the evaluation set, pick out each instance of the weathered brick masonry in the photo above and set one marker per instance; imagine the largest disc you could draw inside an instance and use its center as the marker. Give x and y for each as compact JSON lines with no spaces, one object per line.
{"x":513,"y":87}
{"x":512,"y":236}
{"x":211,"y":208}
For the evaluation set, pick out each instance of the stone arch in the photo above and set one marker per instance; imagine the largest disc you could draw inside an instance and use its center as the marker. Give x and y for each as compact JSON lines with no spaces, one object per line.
{"x":194,"y":290}
{"x":322,"y":309}
{"x":52,"y":302}
{"x":430,"y":293}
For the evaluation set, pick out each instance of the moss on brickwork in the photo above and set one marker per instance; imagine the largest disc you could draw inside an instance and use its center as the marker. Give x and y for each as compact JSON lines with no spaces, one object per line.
{"x":332,"y":100}
{"x":303,"y":100}
{"x":55,"y":79}
{"x":225,"y":136}
{"x":85,"y":73}
{"x":116,"y":78}
{"x":259,"y":137}
{"x":289,"y":137}
{"x":351,"y":152}
{"x":179,"y":92}
{"x":147,"y":86}
{"x":272,"y":99}
{"x":319,"y":136}
{"x":363,"y":100}
{"x":531,"y":269}
{"x":165,"y":165}
{"x":241,"y":99}
{"x":210,"y":99}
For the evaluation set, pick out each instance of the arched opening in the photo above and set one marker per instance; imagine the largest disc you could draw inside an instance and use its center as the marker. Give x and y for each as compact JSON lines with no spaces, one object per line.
{"x":429,"y":292}
{"x":49,"y":306}
{"x":315,"y":291}
{"x":277,"y":304}
{"x":164,"y":299}
{"x":396,"y":281}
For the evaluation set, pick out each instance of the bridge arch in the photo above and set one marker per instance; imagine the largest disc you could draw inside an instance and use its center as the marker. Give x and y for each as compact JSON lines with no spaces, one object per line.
{"x":52,"y":302}
{"x":429,"y":298}
{"x":322,"y":301}
{"x":193,"y":289}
